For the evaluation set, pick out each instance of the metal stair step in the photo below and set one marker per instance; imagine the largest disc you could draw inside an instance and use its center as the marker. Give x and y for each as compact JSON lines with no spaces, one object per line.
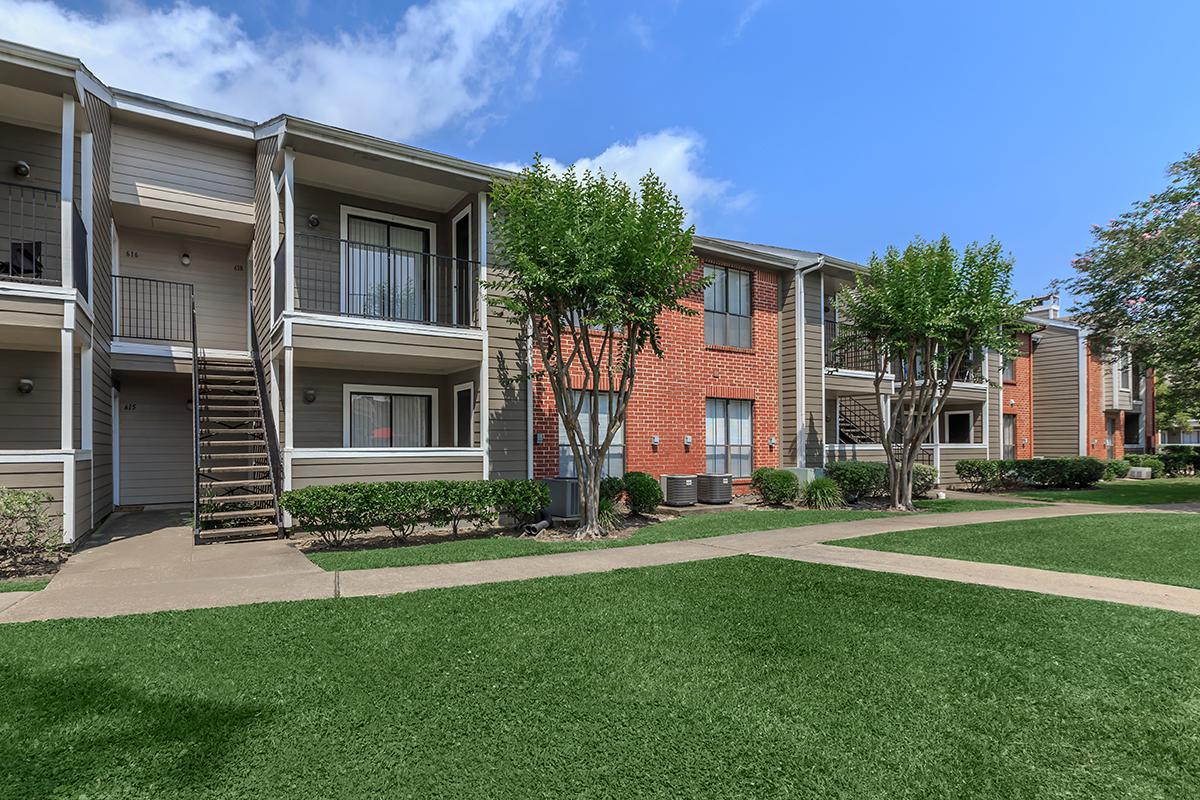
{"x":257,"y":442}
{"x":239,"y":530}
{"x":242,"y":420}
{"x":212,"y":484}
{"x":241,"y":513}
{"x":247,"y":407}
{"x":241,"y":498}
{"x":236,"y":468}
{"x":256,"y":432}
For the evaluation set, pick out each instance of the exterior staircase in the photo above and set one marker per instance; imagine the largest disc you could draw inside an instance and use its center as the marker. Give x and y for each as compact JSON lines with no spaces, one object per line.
{"x":235,"y":488}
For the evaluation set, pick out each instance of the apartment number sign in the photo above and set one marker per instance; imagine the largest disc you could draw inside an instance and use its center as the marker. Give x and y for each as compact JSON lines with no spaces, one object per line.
{"x":131,"y":254}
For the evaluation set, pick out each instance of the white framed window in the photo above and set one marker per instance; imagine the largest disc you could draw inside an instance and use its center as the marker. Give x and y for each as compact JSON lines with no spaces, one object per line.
{"x":729,"y":437}
{"x":464,"y":415}
{"x":387,"y":266}
{"x":389,"y":416}
{"x":462,"y":270}
{"x":727,"y":309}
{"x":614,"y":459}
{"x":1125,"y":366}
{"x":960,"y":427}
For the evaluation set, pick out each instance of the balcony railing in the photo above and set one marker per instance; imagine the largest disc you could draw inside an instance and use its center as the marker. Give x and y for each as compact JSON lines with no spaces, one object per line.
{"x":79,"y":254}
{"x":151,"y":309}
{"x":30,"y":234}
{"x":844,"y":351}
{"x":353,"y":279}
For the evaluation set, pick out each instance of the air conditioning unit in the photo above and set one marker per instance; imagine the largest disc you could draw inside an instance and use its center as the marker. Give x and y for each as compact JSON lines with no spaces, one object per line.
{"x":679,"y":490}
{"x":564,"y":497}
{"x":714,"y":489}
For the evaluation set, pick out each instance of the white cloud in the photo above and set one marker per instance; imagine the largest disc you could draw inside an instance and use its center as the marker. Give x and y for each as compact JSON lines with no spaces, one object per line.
{"x":748,"y":13}
{"x":675,"y":156}
{"x":640,"y":31}
{"x":439,"y":62}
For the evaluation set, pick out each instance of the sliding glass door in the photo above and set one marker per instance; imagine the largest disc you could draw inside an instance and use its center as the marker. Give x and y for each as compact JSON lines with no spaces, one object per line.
{"x":388,"y":270}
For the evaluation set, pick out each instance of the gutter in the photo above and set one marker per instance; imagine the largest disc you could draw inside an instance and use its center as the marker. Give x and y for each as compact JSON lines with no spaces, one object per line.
{"x":801,"y":450}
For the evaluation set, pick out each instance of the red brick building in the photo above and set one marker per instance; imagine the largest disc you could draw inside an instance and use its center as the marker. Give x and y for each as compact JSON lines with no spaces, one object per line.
{"x":712,"y":403}
{"x":1017,"y":402}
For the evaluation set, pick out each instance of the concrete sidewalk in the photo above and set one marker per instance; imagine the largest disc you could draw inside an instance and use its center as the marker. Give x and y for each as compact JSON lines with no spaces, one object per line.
{"x":146,"y":562}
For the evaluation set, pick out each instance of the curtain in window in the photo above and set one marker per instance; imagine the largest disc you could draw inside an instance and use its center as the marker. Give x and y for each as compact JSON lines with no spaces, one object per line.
{"x":729,"y":436}
{"x":370,"y":420}
{"x":727,"y":309}
{"x":411,"y":271}
{"x":614,"y":459}
{"x":410,"y":420}
{"x":387,"y":271}
{"x":391,"y":420}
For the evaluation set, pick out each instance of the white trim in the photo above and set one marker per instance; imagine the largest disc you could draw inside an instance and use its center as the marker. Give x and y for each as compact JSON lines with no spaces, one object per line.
{"x":987,"y":397}
{"x":466,"y":212}
{"x":289,"y":229}
{"x":289,"y":397}
{"x":34,"y":456}
{"x":458,"y":387}
{"x":366,"y":388}
{"x":1083,"y":399}
{"x":971,"y":428}
{"x":275,"y":243}
{"x":824,"y":432}
{"x":182,"y":115}
{"x":393,"y":326}
{"x":86,"y":400}
{"x":67,"y":190}
{"x":68,"y":500}
{"x":382,"y":452}
{"x":484,"y":362}
{"x":40,"y":290}
{"x":86,"y":189}
{"x":114,"y":259}
{"x":124,"y":348}
{"x":67,"y":389}
{"x":529,"y":442}
{"x":383,"y":216}
{"x":116,"y":445}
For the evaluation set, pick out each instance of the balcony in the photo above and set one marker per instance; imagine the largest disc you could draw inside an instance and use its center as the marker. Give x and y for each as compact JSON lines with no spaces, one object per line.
{"x":31,"y":238}
{"x":844,"y":351}
{"x":353,"y":279}
{"x":152,"y":310}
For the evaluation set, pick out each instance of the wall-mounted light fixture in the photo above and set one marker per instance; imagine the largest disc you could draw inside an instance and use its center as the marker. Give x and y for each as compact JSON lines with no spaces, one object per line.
{"x":25,"y":385}
{"x":687,"y":440}
{"x":185,"y":259}
{"x":654,"y":441}
{"x":21,"y":169}
{"x":771,"y":442}
{"x":539,"y":438}
{"x":314,"y":221}
{"x":310,"y":395}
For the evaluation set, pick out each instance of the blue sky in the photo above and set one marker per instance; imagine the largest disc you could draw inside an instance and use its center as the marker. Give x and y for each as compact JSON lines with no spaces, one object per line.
{"x":834,"y":127}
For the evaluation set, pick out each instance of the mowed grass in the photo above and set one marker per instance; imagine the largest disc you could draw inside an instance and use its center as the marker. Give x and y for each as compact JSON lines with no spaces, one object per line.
{"x":696,"y":526}
{"x":1162,"y":548}
{"x":736,"y":678}
{"x":1125,"y":492}
{"x":24,"y":584}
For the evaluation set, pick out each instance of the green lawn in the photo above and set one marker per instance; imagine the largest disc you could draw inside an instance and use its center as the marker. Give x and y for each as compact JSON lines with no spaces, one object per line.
{"x":697,"y":526}
{"x":1163,"y":548}
{"x":1125,"y":492}
{"x":24,"y":585}
{"x":737,"y":678}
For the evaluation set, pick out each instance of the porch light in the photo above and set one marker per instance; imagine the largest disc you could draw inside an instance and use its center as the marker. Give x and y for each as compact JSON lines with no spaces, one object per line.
{"x":25,"y":385}
{"x":314,"y":221}
{"x":21,"y":169}
{"x":310,"y":395}
{"x":185,"y":259}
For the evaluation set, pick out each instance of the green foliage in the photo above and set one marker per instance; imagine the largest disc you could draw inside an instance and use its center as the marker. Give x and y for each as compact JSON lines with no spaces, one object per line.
{"x":1157,"y":467}
{"x":1117,"y":468}
{"x":609,"y":519}
{"x":859,"y":479}
{"x":1180,"y":460}
{"x":643,"y":493}
{"x":27,"y":534}
{"x":775,"y":487}
{"x":611,"y":488}
{"x":822,"y":493}
{"x":924,"y":479}
{"x":1141,"y":288}
{"x":337,"y":512}
{"x":1050,"y":473}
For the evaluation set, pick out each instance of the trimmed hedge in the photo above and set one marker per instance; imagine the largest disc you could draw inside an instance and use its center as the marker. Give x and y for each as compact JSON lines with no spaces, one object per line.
{"x":1117,"y":468}
{"x":643,"y":493}
{"x":335,"y":513}
{"x":775,"y":487}
{"x":1157,"y":466}
{"x":1048,"y":473}
{"x":1179,"y":462}
{"x":861,"y":479}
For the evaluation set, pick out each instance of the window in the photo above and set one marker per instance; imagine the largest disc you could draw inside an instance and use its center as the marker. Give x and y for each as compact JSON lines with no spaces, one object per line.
{"x":727,"y":307}
{"x":387,"y":272}
{"x":464,"y":415}
{"x":386,"y":416}
{"x":1008,"y":372}
{"x":960,"y":427}
{"x":729,"y":440}
{"x":614,"y":459}
{"x":1126,"y":368}
{"x":1009,"y":438}
{"x":1133,"y":429}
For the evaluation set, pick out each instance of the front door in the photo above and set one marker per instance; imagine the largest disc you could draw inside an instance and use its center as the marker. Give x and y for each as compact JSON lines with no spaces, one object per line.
{"x":1010,"y":437}
{"x":1110,"y":431}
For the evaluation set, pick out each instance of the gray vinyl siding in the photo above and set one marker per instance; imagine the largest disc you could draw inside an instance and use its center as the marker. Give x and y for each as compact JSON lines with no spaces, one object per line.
{"x":789,"y":453}
{"x":262,"y":267}
{"x":41,"y":149}
{"x":43,"y":476}
{"x":852,"y":452}
{"x":814,"y":372}
{"x":32,"y":312}
{"x":217,"y":273}
{"x":320,"y":423}
{"x":950,"y":456}
{"x":321,"y":471}
{"x":156,"y":439}
{"x":85,"y":510}
{"x":432,"y":346}
{"x":1056,"y":393}
{"x":31,"y":421}
{"x":100,"y":118}
{"x":509,"y":439}
{"x":176,"y":172}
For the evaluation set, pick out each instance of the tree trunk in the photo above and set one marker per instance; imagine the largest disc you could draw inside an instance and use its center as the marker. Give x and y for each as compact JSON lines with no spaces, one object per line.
{"x":589,"y":497}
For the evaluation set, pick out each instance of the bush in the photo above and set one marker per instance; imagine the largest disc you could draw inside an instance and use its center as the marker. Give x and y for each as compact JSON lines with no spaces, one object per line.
{"x":924,"y":478}
{"x":1117,"y":468}
{"x":775,"y":487}
{"x":335,"y":513}
{"x":642,"y":492}
{"x":1156,"y":465}
{"x":859,"y":479}
{"x":523,"y":500}
{"x":980,"y":474}
{"x":611,"y":488}
{"x":822,"y":493}
{"x":1177,"y":463}
{"x":27,"y":534}
{"x":1049,"y":473}
{"x":455,"y":502}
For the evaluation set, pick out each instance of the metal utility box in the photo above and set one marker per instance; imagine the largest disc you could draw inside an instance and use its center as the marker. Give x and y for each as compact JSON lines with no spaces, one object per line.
{"x":714,"y":489}
{"x":679,"y":490}
{"x":564,"y":497}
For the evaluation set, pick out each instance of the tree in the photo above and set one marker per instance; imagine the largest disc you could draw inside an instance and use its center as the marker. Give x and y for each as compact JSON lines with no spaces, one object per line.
{"x":1139,"y":282}
{"x":927,"y":313}
{"x":590,"y":265}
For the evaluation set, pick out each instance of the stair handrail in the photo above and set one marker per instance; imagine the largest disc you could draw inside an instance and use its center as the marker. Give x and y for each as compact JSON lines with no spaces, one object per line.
{"x":274,"y":456}
{"x":195,"y":419}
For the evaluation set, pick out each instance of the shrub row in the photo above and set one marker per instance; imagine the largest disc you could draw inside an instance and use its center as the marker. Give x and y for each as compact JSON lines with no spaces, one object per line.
{"x":867,"y":479}
{"x":1050,"y":473}
{"x":1158,"y":466}
{"x":335,"y":513}
{"x":1180,"y":459}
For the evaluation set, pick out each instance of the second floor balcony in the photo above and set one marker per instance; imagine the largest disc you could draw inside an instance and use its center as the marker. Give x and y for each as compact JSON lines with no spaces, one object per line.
{"x":32,"y":241}
{"x":845,"y":351}
{"x":347,"y":278}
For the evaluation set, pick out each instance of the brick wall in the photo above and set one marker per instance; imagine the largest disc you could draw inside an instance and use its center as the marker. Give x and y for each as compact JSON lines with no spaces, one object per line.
{"x":669,"y":395}
{"x":1095,"y":406}
{"x":1018,"y":397}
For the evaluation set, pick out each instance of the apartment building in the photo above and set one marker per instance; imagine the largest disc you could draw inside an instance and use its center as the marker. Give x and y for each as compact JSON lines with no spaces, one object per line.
{"x":199,"y":309}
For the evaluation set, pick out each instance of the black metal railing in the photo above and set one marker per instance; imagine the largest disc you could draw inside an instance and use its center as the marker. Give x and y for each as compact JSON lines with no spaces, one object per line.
{"x":195,"y":415}
{"x":30,"y":234}
{"x":844,"y":351}
{"x":274,"y":453}
{"x":148,"y":308}
{"x":279,"y":282}
{"x":353,"y":279}
{"x":858,"y":421}
{"x":79,"y":254}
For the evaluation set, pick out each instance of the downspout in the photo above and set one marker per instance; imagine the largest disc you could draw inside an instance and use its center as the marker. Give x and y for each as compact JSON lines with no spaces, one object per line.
{"x":801,"y":449}
{"x":1083,"y":393}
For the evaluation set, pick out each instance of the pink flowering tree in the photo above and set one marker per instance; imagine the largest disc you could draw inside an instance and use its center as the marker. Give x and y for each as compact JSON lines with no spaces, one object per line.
{"x":1139,"y":282}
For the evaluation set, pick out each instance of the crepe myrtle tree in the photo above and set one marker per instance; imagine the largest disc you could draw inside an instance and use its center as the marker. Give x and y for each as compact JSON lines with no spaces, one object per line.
{"x":589,"y":264}
{"x":928,"y":313}
{"x":1138,"y":285}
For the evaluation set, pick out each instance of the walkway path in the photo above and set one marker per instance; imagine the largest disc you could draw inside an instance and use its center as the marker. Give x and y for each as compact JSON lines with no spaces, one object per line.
{"x":146,"y":562}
